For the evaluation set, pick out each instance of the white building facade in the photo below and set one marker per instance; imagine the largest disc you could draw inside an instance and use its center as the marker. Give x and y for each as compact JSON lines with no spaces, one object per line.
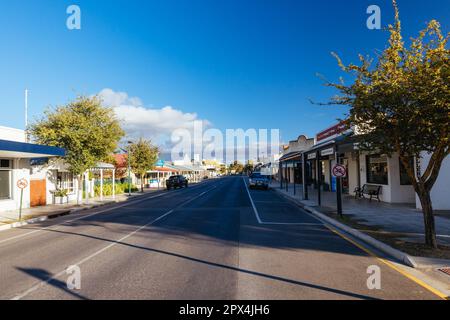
{"x":15,"y":166}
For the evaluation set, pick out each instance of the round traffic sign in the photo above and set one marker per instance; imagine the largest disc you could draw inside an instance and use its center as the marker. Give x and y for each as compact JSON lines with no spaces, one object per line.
{"x":22,"y":183}
{"x":339,"y":171}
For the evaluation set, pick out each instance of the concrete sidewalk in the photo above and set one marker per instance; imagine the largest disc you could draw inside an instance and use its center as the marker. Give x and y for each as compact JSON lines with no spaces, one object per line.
{"x":402,"y":219}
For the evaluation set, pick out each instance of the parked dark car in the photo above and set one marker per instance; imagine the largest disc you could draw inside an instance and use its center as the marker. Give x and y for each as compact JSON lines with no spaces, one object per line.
{"x":177,"y":182}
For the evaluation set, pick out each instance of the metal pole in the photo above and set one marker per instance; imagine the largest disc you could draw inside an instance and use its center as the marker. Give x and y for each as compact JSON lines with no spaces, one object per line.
{"x":305,"y":178}
{"x":319,"y":178}
{"x":293,"y":168}
{"x":26,"y":115}
{"x":129,"y":172}
{"x":280,"y":168}
{"x":21,"y":200}
{"x":114,"y":183}
{"x":86,"y":186}
{"x":101,"y":184}
{"x":287,"y":179}
{"x":338,"y":188}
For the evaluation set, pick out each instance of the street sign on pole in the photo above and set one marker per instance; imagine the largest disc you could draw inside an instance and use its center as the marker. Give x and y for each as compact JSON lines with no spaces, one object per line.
{"x":339,"y":171}
{"x":21,"y":184}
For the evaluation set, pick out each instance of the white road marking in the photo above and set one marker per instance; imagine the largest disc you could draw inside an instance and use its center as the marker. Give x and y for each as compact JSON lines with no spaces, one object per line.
{"x":93,"y":255}
{"x":274,"y":223}
{"x":253,"y":204}
{"x":131,"y":202}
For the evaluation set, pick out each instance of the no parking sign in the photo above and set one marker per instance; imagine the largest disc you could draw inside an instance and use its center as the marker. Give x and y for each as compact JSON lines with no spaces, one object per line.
{"x":339,"y":171}
{"x":21,"y":184}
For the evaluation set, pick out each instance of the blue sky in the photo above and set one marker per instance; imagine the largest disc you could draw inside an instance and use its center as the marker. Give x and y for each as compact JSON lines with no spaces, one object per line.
{"x":236,"y":63}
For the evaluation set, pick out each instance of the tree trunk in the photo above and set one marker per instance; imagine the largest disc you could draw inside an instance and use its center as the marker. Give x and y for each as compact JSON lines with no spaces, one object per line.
{"x":428,"y":217}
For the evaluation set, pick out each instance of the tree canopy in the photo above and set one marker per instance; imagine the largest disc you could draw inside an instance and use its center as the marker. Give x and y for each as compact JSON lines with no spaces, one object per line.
{"x":88,"y":131}
{"x":142,"y":157}
{"x":401,"y":104}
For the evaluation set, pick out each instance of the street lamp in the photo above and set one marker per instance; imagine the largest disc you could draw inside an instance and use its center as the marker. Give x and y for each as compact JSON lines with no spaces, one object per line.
{"x":129,"y":165}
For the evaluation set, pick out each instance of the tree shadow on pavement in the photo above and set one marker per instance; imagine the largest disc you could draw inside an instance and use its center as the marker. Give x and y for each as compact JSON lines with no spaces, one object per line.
{"x":216,"y":265}
{"x":48,"y":279}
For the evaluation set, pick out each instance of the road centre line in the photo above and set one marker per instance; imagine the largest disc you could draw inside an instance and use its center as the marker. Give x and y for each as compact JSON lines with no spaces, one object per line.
{"x":93,"y":255}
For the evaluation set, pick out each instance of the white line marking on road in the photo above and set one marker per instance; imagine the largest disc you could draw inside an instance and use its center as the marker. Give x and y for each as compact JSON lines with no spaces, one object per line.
{"x":253,"y":204}
{"x":274,"y":223}
{"x":131,"y":202}
{"x":79,"y":263}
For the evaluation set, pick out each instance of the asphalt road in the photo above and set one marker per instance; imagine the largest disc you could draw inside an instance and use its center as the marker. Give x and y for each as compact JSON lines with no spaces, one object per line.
{"x":204,"y":242}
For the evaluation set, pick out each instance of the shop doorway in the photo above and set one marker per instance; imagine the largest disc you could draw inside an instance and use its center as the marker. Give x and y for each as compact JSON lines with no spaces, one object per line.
{"x":38,"y":193}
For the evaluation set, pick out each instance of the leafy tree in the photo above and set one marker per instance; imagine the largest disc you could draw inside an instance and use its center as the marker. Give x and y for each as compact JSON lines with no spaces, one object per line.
{"x":402,"y":105}
{"x":142,"y":158}
{"x":249,"y":167}
{"x":237,"y":167}
{"x":223,"y":169}
{"x":88,"y":131}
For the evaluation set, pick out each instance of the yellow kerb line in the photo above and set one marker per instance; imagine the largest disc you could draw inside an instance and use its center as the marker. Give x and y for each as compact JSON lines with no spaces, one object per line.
{"x":391,"y":265}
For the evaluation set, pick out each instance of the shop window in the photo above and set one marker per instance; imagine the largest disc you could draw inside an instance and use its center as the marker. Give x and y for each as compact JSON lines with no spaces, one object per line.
{"x":404,"y":178}
{"x":5,"y":184}
{"x":65,"y":181}
{"x":5,"y":164}
{"x":377,"y":169}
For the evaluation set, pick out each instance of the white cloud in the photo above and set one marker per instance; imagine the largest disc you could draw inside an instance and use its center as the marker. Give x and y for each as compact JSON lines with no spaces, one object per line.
{"x":158,"y":125}
{"x":151,"y":123}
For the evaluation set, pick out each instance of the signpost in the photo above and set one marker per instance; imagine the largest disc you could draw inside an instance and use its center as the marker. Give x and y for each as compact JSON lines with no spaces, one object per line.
{"x":21,"y":184}
{"x":339,"y":171}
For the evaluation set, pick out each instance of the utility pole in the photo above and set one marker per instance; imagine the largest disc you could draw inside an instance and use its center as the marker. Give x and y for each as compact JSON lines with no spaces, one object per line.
{"x":127,"y":150}
{"x":129,"y":173}
{"x":26,"y":115}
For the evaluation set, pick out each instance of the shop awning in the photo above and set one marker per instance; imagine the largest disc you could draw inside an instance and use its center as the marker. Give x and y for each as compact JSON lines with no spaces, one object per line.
{"x":162,"y":170}
{"x":13,"y":149}
{"x":329,"y":147}
{"x":103,"y":166}
{"x":291,"y":156}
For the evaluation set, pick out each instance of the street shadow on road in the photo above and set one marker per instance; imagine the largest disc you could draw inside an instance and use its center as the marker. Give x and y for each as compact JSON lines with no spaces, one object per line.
{"x":46,"y":278}
{"x":61,"y":285}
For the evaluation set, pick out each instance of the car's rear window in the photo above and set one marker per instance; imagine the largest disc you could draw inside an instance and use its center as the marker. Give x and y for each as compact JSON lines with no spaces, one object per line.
{"x":256,"y":175}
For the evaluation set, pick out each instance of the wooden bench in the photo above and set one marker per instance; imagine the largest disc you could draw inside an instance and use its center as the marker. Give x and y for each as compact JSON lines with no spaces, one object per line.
{"x":369,"y":190}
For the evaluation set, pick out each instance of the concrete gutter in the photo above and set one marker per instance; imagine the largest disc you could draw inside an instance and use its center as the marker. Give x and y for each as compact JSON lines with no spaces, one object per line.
{"x":397,"y":254}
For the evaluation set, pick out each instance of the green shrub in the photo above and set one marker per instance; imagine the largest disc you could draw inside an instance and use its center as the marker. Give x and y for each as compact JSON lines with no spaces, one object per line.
{"x":121,"y":188}
{"x":61,"y":193}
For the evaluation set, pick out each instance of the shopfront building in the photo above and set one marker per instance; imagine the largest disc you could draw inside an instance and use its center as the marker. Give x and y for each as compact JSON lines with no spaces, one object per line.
{"x":15,"y":165}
